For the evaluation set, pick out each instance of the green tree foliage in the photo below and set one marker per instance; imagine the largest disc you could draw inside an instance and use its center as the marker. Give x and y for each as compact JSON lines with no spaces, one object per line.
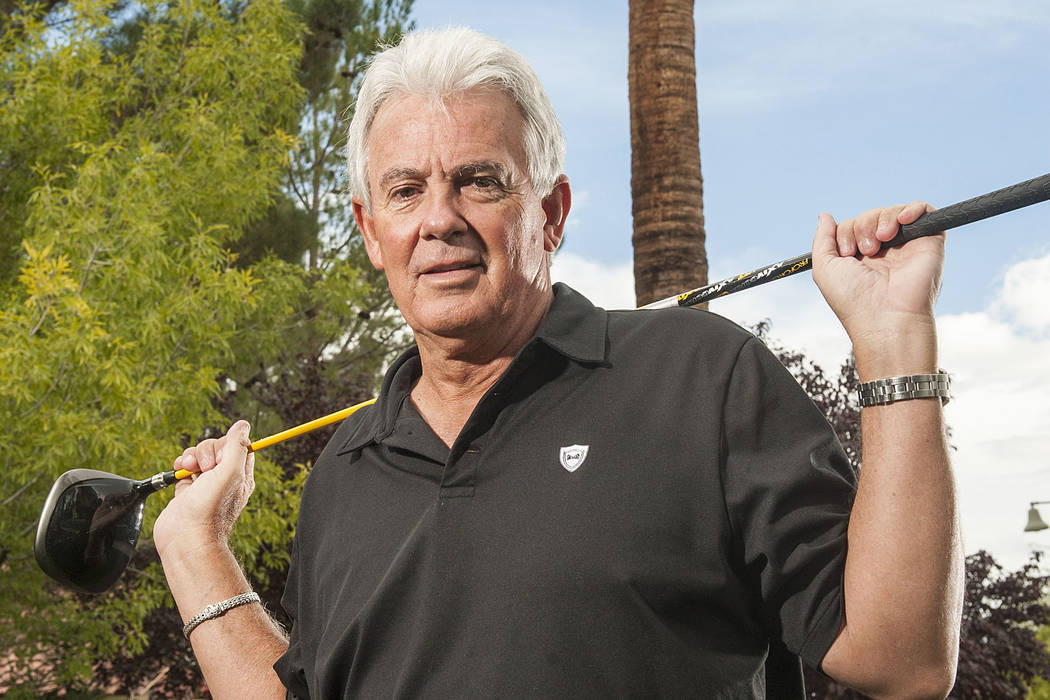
{"x":123,"y":177}
{"x":323,"y":323}
{"x":346,"y":327}
{"x":1040,"y":686}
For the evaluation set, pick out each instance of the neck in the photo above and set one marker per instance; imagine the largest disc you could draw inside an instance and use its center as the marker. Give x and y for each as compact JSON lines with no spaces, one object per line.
{"x":456,"y":372}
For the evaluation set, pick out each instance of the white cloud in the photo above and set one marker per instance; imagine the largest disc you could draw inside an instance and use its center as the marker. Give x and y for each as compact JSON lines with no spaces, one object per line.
{"x":1000,"y":414}
{"x":999,"y":361}
{"x":608,"y":286}
{"x":1026,"y":294}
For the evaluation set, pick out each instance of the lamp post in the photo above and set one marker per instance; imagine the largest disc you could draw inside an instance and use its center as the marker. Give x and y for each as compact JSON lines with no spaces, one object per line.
{"x":1035,"y":521}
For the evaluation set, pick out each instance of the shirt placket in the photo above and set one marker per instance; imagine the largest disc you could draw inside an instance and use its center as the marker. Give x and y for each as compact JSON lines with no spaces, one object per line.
{"x":459,"y":477}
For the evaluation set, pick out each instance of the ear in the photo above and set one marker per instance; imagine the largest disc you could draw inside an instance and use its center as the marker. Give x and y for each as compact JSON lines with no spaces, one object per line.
{"x":366,"y":225}
{"x":556,"y":206}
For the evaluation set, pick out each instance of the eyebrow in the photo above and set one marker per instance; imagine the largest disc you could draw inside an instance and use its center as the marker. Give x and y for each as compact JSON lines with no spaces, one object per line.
{"x":460,"y":172}
{"x":482,"y":166}
{"x":399,"y":174}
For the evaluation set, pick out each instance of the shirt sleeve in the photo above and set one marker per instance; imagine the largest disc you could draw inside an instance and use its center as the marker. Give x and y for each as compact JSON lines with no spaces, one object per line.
{"x":289,"y":666}
{"x":789,"y":488}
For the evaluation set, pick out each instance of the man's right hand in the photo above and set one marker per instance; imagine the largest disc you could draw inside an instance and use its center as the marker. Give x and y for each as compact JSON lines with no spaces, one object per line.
{"x":237,"y":650}
{"x":207,"y":504}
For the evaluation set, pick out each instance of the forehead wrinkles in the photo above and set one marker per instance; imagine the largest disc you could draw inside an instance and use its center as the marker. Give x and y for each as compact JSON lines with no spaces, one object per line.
{"x":412,"y":133}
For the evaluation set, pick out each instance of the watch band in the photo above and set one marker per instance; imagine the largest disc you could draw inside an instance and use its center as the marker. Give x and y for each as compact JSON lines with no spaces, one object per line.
{"x":216,"y":609}
{"x":912,"y":386}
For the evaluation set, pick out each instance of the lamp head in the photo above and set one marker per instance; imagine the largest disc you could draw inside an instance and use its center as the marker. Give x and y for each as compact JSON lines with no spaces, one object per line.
{"x":1035,"y":521}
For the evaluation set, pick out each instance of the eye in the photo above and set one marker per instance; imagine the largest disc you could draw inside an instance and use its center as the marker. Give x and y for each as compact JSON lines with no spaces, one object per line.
{"x":403,"y":193}
{"x":485,"y":182}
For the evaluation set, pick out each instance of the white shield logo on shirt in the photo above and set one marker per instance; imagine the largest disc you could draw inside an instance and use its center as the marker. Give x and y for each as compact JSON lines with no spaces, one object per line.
{"x":572,"y":457}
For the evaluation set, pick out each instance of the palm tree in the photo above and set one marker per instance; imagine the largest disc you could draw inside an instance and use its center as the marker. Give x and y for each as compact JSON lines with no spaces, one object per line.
{"x":666,"y":186}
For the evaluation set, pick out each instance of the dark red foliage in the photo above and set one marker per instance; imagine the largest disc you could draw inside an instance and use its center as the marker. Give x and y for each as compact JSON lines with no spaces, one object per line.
{"x":999,"y":652}
{"x":302,"y":390}
{"x":168,"y":658}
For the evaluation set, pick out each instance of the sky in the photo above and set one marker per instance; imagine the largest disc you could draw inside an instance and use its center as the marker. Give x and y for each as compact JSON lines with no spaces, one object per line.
{"x":811,"y":106}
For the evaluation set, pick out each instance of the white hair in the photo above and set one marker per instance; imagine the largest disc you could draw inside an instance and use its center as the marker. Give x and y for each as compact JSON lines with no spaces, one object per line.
{"x":440,"y":64}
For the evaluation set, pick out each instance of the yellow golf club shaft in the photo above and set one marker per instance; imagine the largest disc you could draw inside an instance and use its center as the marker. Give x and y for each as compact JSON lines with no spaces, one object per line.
{"x":295,"y":432}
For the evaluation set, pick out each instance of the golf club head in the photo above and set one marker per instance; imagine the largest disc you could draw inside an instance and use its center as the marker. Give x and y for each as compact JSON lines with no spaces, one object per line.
{"x":89,"y":528}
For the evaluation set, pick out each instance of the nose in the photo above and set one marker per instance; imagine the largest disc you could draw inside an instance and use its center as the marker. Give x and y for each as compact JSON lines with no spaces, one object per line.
{"x":442,"y":218}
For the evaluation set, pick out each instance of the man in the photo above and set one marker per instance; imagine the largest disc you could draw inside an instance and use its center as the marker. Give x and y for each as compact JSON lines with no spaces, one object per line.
{"x":551,"y":500}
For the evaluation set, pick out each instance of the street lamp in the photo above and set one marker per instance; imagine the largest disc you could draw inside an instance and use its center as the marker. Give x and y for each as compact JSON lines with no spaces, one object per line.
{"x":1035,"y":521}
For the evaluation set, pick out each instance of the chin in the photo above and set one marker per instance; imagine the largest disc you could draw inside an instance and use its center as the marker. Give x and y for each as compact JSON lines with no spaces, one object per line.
{"x":451,"y":320}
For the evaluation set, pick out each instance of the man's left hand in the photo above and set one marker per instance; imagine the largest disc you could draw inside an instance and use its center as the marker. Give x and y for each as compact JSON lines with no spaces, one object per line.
{"x":884,"y":299}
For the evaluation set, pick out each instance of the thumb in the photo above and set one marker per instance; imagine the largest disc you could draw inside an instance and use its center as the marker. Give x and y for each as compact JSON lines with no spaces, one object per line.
{"x":236,"y":459}
{"x":825,"y":245}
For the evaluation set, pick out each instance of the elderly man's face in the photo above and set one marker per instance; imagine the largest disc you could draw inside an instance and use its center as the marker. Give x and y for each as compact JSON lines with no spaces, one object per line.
{"x":455,"y":223}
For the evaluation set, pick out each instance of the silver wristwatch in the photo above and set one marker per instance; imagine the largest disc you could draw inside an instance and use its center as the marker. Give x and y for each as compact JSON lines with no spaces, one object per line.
{"x":912,"y":386}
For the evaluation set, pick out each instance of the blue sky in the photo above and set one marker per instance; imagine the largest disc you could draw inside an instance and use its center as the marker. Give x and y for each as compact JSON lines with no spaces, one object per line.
{"x":820,"y":105}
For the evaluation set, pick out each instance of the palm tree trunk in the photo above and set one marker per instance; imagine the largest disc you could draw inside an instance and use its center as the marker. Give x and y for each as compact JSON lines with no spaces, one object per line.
{"x":666,"y":186}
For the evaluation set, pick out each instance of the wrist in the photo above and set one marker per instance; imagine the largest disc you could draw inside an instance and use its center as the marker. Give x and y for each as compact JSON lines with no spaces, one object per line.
{"x":199,"y":574}
{"x":193,"y":550}
{"x":891,"y":351}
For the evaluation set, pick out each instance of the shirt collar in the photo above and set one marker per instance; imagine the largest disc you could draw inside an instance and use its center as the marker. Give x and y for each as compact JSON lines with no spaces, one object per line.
{"x":573,"y":327}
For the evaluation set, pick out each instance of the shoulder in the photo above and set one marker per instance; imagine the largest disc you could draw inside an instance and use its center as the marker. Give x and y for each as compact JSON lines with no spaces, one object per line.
{"x":677,"y":330}
{"x":349,"y":434}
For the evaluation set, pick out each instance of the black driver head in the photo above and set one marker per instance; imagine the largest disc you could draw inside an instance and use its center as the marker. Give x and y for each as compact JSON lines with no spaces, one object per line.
{"x":89,"y":528}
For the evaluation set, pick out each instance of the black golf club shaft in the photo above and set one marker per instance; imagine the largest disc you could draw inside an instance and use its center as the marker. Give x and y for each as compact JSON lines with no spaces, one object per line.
{"x":984,"y":206}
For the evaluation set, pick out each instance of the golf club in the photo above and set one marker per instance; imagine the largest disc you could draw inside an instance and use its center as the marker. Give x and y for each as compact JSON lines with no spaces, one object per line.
{"x":91,"y":519}
{"x":984,"y":206}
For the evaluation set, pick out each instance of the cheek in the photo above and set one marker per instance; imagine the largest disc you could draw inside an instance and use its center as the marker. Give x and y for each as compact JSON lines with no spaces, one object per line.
{"x":396,"y":248}
{"x":525,"y":235}
{"x":375,"y":254}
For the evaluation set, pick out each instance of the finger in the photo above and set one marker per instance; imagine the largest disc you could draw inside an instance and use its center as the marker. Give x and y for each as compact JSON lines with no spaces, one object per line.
{"x":235,"y":453}
{"x":187,"y":460}
{"x":913,"y":211}
{"x":888,"y":225}
{"x":847,"y":242}
{"x":825,"y":242}
{"x":206,"y":453}
{"x":183,"y":484}
{"x":864,"y":228}
{"x":249,"y":472}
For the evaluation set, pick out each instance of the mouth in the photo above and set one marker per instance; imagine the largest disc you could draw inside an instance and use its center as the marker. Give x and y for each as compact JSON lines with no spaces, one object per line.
{"x":452,"y":267}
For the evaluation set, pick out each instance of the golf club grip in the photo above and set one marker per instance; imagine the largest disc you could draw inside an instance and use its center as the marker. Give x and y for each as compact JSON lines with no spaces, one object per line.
{"x":981,"y":207}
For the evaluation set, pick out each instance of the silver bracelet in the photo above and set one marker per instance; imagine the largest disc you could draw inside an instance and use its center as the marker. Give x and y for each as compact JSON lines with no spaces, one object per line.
{"x":912,"y":386}
{"x":216,"y":609}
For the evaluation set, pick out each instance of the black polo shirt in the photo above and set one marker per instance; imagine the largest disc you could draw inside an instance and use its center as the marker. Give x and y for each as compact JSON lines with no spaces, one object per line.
{"x":636,"y":508}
